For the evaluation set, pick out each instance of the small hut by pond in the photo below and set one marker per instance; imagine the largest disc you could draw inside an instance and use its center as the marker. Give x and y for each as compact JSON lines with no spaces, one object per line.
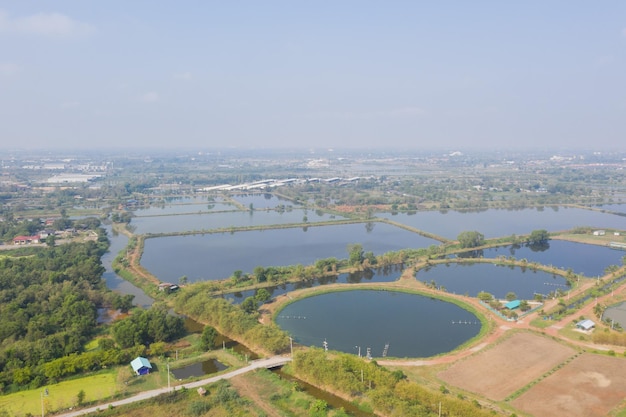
{"x":141,"y":365}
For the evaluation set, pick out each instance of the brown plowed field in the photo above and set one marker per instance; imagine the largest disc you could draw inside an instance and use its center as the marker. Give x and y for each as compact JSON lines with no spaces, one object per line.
{"x":589,"y":386}
{"x":499,"y":371}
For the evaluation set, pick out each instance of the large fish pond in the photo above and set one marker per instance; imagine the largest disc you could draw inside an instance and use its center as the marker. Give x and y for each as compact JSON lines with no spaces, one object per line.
{"x":389,"y":323}
{"x":216,"y":256}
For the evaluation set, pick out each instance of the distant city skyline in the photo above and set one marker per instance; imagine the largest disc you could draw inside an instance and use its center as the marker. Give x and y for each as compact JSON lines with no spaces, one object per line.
{"x":316,"y":75}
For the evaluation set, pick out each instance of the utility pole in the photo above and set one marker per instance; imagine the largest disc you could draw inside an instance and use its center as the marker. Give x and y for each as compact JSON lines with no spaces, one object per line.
{"x":291,"y":345}
{"x":168,"y":375}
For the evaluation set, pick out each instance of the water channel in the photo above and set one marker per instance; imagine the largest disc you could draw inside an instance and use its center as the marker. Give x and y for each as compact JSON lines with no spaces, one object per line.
{"x":113,"y":281}
{"x":387,"y":274}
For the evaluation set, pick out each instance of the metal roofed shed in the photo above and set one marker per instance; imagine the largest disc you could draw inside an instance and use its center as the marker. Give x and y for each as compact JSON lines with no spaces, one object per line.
{"x":585,"y":324}
{"x":141,"y":365}
{"x":512,"y":305}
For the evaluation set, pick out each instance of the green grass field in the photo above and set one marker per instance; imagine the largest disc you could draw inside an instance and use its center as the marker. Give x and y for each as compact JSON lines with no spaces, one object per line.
{"x":61,"y":396}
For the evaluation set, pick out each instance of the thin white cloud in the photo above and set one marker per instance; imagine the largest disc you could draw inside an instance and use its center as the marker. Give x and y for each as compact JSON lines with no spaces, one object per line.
{"x":186,"y":76}
{"x":149,"y":97}
{"x":8,"y":68}
{"x":44,"y":24}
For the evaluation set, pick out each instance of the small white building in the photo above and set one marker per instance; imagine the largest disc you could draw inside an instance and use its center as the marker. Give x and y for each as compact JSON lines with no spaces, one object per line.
{"x":599,"y":232}
{"x":585,"y":325}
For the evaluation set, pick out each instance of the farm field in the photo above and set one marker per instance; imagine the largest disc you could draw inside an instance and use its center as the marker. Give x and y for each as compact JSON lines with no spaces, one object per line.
{"x":508,"y":366}
{"x":589,"y":386}
{"x":60,"y":396}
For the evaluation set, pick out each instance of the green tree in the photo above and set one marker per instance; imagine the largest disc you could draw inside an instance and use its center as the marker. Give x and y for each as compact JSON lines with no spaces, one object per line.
{"x":80,"y":397}
{"x":510,"y":296}
{"x":471,"y":239}
{"x":356,"y":255}
{"x":538,"y":237}
{"x":207,"y":340}
{"x":51,"y":240}
{"x":262,"y":296}
{"x":485,"y":296}
{"x":249,"y":305}
{"x":259,"y":273}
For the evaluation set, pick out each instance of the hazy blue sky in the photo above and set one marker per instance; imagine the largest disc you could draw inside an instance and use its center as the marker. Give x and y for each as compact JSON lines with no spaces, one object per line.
{"x":316,"y":74}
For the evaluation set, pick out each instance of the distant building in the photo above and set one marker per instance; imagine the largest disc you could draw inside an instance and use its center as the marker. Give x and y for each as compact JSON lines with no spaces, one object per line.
{"x":141,"y":365}
{"x":599,"y":232}
{"x":26,"y":240}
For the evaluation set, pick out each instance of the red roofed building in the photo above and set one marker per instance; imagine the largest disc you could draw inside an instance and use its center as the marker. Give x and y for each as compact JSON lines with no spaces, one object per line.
{"x":26,"y":240}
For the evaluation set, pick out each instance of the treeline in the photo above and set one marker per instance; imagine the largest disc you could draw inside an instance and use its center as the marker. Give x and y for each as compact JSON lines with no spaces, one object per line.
{"x":131,"y":337}
{"x":388,"y":392}
{"x":230,"y":319}
{"x":48,"y":305}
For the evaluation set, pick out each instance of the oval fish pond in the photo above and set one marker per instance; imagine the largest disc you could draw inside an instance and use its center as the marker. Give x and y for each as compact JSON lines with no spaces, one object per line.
{"x":389,"y":323}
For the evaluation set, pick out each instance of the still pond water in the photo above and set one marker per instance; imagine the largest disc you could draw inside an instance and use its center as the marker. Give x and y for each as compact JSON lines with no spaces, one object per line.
{"x":617,"y":313}
{"x":388,"y":274}
{"x":470,"y":279}
{"x":588,"y":260}
{"x":498,"y":223}
{"x":261,"y":200}
{"x":217,"y":256}
{"x":411,"y":325}
{"x":207,"y":367}
{"x":115,"y":282}
{"x":209,"y":221}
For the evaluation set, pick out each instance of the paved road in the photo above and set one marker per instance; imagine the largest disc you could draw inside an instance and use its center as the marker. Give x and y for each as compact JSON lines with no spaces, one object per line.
{"x":261,"y":363}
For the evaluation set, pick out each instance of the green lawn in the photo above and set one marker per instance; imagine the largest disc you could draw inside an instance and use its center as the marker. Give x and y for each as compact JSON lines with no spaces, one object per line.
{"x":60,"y":396}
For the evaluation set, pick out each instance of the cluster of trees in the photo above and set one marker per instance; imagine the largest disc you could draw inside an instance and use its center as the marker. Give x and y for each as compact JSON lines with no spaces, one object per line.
{"x":145,"y":327}
{"x":48,"y":305}
{"x":388,"y":392}
{"x":471,"y":239}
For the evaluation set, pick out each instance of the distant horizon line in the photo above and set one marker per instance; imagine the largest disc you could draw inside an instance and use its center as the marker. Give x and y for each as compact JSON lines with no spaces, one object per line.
{"x":312,"y":150}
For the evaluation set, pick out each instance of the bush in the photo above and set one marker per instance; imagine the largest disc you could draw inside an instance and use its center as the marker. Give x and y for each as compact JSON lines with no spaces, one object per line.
{"x":198,"y":408}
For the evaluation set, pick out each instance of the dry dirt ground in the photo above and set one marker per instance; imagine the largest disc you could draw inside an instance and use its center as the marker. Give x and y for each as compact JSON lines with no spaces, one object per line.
{"x":589,"y":386}
{"x":256,"y":391}
{"x":499,"y":371}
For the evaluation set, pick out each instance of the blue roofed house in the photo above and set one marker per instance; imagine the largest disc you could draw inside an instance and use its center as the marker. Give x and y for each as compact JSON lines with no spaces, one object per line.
{"x":512,"y":305}
{"x":141,"y":365}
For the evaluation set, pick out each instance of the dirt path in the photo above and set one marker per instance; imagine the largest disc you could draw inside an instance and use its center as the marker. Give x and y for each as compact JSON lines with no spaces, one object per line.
{"x":250,"y":390}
